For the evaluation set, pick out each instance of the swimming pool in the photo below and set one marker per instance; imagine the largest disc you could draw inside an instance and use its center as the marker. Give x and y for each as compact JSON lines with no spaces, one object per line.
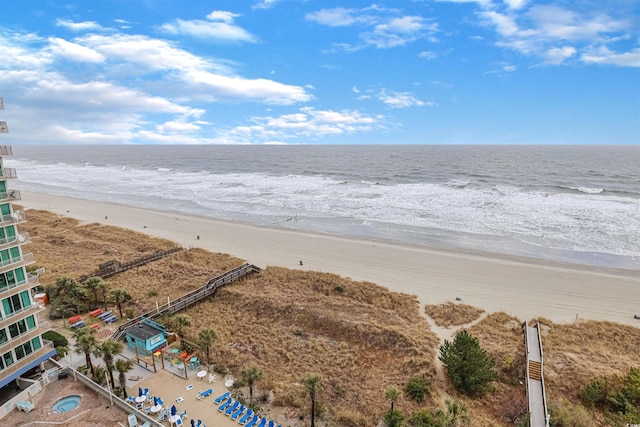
{"x":66,"y":404}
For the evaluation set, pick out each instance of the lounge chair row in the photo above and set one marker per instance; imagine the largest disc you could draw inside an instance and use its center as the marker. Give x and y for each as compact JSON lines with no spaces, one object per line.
{"x":236,"y":411}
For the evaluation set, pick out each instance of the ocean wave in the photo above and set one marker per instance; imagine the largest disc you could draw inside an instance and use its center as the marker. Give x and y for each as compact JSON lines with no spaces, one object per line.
{"x":586,"y":190}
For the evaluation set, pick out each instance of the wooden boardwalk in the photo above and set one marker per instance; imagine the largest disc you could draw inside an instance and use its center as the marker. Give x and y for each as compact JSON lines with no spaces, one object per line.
{"x":191,"y":298}
{"x":112,"y":268}
{"x":538,"y":412}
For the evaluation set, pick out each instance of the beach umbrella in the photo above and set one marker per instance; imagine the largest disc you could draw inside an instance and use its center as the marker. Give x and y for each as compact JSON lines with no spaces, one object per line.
{"x":155,"y":401}
{"x":193,"y":424}
{"x":174,"y":410}
{"x":139,"y":391}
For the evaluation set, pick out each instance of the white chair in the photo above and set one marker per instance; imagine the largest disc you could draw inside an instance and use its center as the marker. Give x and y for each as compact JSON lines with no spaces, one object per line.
{"x":212,"y":378}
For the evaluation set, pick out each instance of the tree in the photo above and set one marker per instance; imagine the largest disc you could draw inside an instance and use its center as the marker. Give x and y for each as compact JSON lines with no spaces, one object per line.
{"x":251,"y":375}
{"x":120,"y":297}
{"x":469,"y":368}
{"x":311,"y":385}
{"x":426,"y":418}
{"x":123,"y":366}
{"x":392,"y":395}
{"x":456,"y":414}
{"x":205,"y":338}
{"x":103,"y":289}
{"x":107,"y":350}
{"x":93,"y":284}
{"x":179,"y":322}
{"x":86,"y":342}
{"x":417,"y":388}
{"x":393,"y":418}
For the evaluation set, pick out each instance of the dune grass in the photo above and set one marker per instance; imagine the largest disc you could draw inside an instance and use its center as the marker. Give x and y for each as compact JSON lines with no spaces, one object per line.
{"x":451,"y":314}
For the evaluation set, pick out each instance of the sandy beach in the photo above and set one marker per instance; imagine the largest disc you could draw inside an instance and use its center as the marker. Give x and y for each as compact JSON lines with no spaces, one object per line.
{"x":520,"y":287}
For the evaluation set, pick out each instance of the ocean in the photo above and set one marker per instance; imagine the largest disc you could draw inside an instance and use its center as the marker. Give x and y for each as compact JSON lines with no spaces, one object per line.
{"x":575,"y":204}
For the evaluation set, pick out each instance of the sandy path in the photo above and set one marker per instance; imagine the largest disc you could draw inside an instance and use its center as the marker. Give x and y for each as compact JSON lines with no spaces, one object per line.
{"x":523,"y":288}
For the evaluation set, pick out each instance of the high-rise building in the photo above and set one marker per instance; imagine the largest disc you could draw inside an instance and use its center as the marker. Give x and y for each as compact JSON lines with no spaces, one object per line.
{"x":21,"y":344}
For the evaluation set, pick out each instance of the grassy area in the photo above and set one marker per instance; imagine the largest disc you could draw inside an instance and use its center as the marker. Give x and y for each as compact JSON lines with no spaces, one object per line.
{"x":451,"y":314}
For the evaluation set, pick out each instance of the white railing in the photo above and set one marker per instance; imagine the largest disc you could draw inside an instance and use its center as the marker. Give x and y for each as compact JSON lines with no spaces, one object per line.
{"x":15,"y":217}
{"x":6,"y":150}
{"x":8,"y":173}
{"x":27,"y":258}
{"x":11,"y":195}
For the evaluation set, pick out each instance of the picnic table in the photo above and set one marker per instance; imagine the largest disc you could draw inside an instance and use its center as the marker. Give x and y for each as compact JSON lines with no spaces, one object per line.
{"x":96,"y":312}
{"x":74,"y":319}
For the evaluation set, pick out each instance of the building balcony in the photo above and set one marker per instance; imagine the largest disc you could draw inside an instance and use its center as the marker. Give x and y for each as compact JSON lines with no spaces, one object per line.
{"x":31,"y":282}
{"x":8,"y":173}
{"x":10,"y":195}
{"x":11,"y":241}
{"x":16,"y":217}
{"x":22,"y":338}
{"x":6,"y":150}
{"x":25,"y":259}
{"x":22,"y":313}
{"x":23,"y":365}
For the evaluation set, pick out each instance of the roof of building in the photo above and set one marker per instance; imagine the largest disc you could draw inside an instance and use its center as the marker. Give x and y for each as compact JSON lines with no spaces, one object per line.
{"x":143,"y":331}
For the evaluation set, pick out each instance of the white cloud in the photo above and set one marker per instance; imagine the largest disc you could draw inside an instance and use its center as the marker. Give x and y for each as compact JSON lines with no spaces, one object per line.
{"x":62,"y":48}
{"x":401,"y":99}
{"x":603,"y":55}
{"x":307,"y":123}
{"x":557,"y":23}
{"x":427,"y":54}
{"x":78,"y":26}
{"x":218,"y":27}
{"x":265,"y":4}
{"x":381,"y":27}
{"x":516,"y":4}
{"x":557,"y":55}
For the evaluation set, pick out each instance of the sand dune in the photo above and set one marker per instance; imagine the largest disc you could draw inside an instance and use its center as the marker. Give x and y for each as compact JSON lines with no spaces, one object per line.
{"x":520,"y":287}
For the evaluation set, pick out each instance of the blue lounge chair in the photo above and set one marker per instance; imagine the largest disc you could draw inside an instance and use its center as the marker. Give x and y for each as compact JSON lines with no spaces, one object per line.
{"x":232,"y":408}
{"x":271,"y":423}
{"x":253,"y":421}
{"x":203,"y":394}
{"x":224,"y":405}
{"x":263,"y":422}
{"x":246,"y":416}
{"x":105,"y":314}
{"x":222,"y":397}
{"x":235,"y":414}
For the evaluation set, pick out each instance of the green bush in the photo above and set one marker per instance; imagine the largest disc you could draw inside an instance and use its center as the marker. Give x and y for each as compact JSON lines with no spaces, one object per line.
{"x":417,"y":388}
{"x":57,"y":339}
{"x":393,"y":418}
{"x":593,"y":393}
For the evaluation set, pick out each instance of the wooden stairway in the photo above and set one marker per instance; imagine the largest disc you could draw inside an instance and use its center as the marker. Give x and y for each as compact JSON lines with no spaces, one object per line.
{"x":535,"y":370}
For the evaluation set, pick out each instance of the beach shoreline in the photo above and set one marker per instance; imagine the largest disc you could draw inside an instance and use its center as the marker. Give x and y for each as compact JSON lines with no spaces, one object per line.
{"x":525,"y":288}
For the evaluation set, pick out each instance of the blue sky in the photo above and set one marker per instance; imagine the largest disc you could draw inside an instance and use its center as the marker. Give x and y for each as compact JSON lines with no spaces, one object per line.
{"x":320,"y":72}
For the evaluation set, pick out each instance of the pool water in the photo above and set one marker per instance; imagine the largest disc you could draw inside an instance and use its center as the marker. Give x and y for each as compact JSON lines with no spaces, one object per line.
{"x":66,"y":404}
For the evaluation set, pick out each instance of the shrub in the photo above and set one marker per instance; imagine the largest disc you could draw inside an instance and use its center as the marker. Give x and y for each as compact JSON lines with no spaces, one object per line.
{"x":393,"y":418}
{"x":593,"y":393}
{"x":469,"y":368}
{"x":57,"y":339}
{"x":417,"y":388}
{"x":220,"y":369}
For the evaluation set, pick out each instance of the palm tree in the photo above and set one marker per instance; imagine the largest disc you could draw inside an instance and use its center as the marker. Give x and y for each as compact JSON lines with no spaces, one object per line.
{"x":180,"y":321}
{"x":123,"y":366}
{"x":86,"y":342}
{"x":93,"y":284}
{"x":107,"y":350}
{"x":120,"y":296}
{"x":103,"y":288}
{"x":206,"y":337}
{"x":392,"y":395}
{"x":251,"y":375}
{"x":311,"y":385}
{"x":456,"y":414}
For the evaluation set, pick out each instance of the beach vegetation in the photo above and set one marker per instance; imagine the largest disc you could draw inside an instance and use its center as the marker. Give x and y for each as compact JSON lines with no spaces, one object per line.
{"x":206,"y":337}
{"x":123,"y":366}
{"x":100,"y":375}
{"x":152,"y":293}
{"x":221,"y":369}
{"x":56,"y":338}
{"x":107,"y":350}
{"x":417,"y":389}
{"x":394,"y":418}
{"x":393,"y":394}
{"x":311,"y":384}
{"x":594,"y":393}
{"x":250,"y":376}
{"x":469,"y":368}
{"x":93,"y":285}
{"x":452,"y":314}
{"x":120,"y":297}
{"x":455,"y":414}
{"x":426,"y":418}
{"x":179,"y":322}
{"x":86,"y":343}
{"x":61,"y":352}
{"x":67,"y":298}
